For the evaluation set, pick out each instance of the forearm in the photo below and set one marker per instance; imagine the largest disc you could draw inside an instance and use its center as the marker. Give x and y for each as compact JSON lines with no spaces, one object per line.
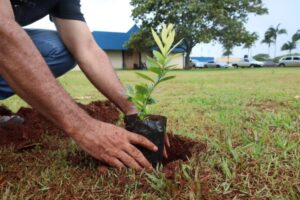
{"x":22,"y":66}
{"x":98,"y":68}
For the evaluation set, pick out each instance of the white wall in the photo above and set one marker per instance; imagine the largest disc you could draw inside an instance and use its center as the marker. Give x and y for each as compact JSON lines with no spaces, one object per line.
{"x":116,"y":59}
{"x":179,"y":61}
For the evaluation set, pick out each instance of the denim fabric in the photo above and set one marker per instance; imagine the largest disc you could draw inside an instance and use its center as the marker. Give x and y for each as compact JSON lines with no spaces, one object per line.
{"x":54,"y":52}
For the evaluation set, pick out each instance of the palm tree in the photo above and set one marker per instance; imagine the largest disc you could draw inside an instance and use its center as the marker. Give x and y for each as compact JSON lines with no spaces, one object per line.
{"x":250,"y":41}
{"x":289,"y":46}
{"x":296,"y":36}
{"x":273,"y":33}
{"x":267,"y":40}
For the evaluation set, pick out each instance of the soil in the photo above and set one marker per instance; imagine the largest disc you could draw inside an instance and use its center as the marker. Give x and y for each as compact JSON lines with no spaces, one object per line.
{"x":30,"y":135}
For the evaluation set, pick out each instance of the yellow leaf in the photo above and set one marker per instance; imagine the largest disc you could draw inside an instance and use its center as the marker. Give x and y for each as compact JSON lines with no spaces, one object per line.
{"x":170,"y":27}
{"x":164,"y":34}
{"x":158,"y":41}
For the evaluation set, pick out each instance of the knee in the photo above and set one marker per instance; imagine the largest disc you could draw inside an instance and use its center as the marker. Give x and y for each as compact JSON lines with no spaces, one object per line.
{"x":60,"y":61}
{"x":56,"y":52}
{"x":51,"y":47}
{"x":63,"y":58}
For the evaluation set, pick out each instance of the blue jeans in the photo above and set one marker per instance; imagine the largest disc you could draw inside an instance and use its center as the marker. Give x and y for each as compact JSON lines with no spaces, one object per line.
{"x":54,"y":52}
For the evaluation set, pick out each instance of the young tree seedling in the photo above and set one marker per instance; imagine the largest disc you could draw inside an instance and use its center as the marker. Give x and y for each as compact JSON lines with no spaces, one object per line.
{"x":160,"y":65}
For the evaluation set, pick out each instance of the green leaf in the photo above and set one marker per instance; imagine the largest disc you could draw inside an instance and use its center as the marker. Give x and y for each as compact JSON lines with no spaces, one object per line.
{"x":151,"y":62}
{"x":167,"y":78}
{"x":141,"y":89}
{"x":144,"y":76}
{"x":171,"y":66}
{"x":151,"y":101}
{"x":139,"y":98}
{"x":177,"y":44}
{"x":159,"y":57}
{"x":158,"y":41}
{"x":155,"y":70}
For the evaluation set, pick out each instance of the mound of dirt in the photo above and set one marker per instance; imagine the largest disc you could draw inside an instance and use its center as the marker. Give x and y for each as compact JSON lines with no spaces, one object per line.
{"x":30,"y":133}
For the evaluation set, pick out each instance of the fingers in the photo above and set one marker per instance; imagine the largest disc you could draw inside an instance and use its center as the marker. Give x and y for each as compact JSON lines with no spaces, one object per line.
{"x":138,"y":156}
{"x":165,"y":153}
{"x":129,"y":161}
{"x":142,"y":141}
{"x":114,"y":162}
{"x":166,"y":144}
{"x":167,"y":141}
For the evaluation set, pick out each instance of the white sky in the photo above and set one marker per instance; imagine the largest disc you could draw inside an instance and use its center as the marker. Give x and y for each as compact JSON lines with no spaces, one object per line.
{"x":114,"y":15}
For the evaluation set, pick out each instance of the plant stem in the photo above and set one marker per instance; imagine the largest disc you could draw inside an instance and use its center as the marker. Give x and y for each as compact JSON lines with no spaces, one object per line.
{"x":151,"y":90}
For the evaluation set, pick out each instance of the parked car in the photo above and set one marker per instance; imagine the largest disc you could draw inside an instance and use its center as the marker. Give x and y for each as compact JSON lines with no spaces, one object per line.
{"x":196,"y":64}
{"x":289,"y":61}
{"x":270,"y":63}
{"x":248,"y":63}
{"x":213,"y":64}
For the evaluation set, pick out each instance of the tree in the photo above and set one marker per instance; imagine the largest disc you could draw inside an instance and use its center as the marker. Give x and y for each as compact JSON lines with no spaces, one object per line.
{"x":296,"y":36}
{"x":235,"y":34}
{"x":273,"y":33}
{"x":289,"y":46}
{"x":250,"y":41}
{"x":196,"y":21}
{"x":262,"y":57}
{"x":268,"y":40}
{"x":135,"y":43}
{"x":228,"y":52}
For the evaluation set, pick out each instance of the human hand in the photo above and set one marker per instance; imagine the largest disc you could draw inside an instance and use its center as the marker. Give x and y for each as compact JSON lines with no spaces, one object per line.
{"x":114,"y":145}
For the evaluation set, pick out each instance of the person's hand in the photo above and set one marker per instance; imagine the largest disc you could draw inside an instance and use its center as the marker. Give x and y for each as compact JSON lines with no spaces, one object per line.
{"x":114,"y":145}
{"x":166,"y":146}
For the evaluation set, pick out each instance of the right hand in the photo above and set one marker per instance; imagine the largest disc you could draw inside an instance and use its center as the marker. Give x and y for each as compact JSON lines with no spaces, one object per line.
{"x":114,"y":145}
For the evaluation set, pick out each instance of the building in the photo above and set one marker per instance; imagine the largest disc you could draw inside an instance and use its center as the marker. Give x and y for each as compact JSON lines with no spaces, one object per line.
{"x":113,"y":43}
{"x":203,"y":59}
{"x":230,"y":59}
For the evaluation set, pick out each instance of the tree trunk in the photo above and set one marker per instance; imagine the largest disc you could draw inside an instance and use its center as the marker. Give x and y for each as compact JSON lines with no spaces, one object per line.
{"x":187,"y":58}
{"x":275,"y":48}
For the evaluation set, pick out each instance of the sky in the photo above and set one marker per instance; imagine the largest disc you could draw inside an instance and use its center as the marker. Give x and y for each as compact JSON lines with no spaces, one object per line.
{"x":115,"y":15}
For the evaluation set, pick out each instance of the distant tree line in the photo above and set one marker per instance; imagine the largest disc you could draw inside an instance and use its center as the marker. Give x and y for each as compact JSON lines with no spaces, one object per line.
{"x":203,"y":22}
{"x":196,"y":22}
{"x":272,"y":34}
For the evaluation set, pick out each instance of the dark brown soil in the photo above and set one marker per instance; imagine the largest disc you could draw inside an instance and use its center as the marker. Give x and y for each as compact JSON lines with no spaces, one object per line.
{"x":30,"y":133}
{"x":35,"y":124}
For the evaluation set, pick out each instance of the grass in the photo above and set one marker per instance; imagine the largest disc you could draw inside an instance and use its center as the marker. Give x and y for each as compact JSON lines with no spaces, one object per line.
{"x":249,"y":118}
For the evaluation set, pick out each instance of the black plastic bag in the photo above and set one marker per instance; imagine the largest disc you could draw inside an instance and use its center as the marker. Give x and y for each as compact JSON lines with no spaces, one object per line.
{"x":153,"y":127}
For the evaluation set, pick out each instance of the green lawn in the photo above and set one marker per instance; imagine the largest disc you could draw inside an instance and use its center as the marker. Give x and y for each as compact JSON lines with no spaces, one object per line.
{"x":249,"y":118}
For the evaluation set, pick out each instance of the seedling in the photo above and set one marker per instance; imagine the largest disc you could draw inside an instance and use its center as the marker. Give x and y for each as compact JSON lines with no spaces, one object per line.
{"x":152,"y":127}
{"x":141,"y":94}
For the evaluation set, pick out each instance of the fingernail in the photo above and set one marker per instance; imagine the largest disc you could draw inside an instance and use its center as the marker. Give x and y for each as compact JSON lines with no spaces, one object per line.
{"x":155,"y":148}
